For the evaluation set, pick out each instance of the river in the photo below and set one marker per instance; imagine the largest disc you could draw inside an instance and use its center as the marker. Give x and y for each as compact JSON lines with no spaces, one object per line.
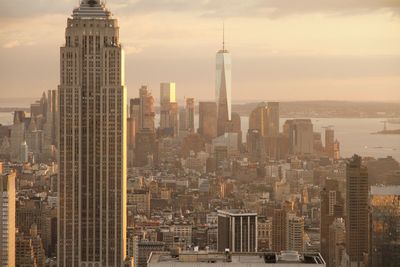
{"x":354,"y":134}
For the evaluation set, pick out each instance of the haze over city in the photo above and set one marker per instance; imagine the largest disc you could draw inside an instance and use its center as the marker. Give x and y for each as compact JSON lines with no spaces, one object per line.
{"x":308,"y":50}
{"x":182,"y":133}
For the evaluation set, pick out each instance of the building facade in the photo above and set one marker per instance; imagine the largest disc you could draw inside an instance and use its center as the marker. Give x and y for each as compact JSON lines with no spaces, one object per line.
{"x":385,"y":219}
{"x":332,"y":205}
{"x":357,"y":213}
{"x":189,"y":115}
{"x":92,"y":141}
{"x":301,"y":136}
{"x":223,"y":88}
{"x":237,"y":231}
{"x":168,"y":109}
{"x":208,"y":120}
{"x":7,"y":219}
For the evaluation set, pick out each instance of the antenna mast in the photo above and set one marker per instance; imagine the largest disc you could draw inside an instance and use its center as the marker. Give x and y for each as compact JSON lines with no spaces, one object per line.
{"x":223,"y":35}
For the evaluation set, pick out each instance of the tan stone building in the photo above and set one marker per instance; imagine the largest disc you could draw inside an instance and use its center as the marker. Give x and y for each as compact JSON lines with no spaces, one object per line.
{"x":92,"y":141}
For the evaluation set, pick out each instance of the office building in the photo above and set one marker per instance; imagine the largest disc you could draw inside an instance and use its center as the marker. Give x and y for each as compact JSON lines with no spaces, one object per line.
{"x":168,"y":109}
{"x":255,"y":145}
{"x":92,"y":141}
{"x":237,"y":231}
{"x":276,"y":147}
{"x":143,"y":249}
{"x":236,"y":127}
{"x":337,"y":239}
{"x":279,"y":230}
{"x":131,"y":136}
{"x":273,"y":119}
{"x":39,"y":108}
{"x":208,"y":120}
{"x":332,"y":206}
{"x":147,"y":112}
{"x":17,"y":136}
{"x":189,"y":116}
{"x":182,"y":235}
{"x":357,"y":214}
{"x":223,"y":88}
{"x":265,"y":118}
{"x":139,"y":199}
{"x":25,"y":254}
{"x":134,"y":111}
{"x":29,"y":249}
{"x":229,"y":140}
{"x":146,"y":150}
{"x":301,"y":136}
{"x":385,"y":218}
{"x":182,"y":120}
{"x":264,"y":236}
{"x":258,"y":119}
{"x":7,"y":219}
{"x":49,"y":127}
{"x":295,"y":234}
{"x":329,"y":142}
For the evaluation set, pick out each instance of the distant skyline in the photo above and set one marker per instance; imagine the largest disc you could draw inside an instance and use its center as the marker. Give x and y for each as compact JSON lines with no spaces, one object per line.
{"x":285,"y":51}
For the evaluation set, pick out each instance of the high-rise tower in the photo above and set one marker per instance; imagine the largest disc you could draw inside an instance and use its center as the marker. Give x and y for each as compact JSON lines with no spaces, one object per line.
{"x":146,"y":109}
{"x":7,"y":219}
{"x":208,"y":120}
{"x":357,"y":211}
{"x":92,"y":141}
{"x":168,"y":109}
{"x":332,"y":204}
{"x":189,"y":117}
{"x":223,"y":87}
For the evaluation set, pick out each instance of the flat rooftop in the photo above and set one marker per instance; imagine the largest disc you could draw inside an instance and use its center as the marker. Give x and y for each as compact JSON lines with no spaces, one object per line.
{"x":236,"y":212}
{"x":217,"y":259}
{"x":386,"y":190}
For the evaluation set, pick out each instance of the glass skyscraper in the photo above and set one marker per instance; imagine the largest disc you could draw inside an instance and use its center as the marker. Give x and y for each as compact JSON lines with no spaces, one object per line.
{"x":223,"y":88}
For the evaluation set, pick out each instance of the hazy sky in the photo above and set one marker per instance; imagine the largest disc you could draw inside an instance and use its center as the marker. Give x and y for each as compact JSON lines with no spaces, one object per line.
{"x":281,"y":49}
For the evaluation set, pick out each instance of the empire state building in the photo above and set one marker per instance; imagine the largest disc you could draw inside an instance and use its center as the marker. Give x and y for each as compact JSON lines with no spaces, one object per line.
{"x":92,"y":141}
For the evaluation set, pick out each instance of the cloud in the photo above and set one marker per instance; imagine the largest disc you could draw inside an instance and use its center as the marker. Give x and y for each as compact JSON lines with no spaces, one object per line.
{"x":132,"y":48}
{"x":32,"y":31}
{"x":23,"y":8}
{"x":12,"y":44}
{"x":177,"y":39}
{"x":206,"y":8}
{"x":249,"y":8}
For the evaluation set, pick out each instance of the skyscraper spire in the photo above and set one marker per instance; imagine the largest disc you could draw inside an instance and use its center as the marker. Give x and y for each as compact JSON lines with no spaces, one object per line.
{"x":223,"y":35}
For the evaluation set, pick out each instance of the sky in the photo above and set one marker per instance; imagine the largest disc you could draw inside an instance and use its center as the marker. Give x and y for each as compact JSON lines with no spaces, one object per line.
{"x":282,"y":50}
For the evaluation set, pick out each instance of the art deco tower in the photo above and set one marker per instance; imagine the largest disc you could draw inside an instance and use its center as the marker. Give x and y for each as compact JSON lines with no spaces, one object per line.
{"x":223,"y":88}
{"x":92,"y":141}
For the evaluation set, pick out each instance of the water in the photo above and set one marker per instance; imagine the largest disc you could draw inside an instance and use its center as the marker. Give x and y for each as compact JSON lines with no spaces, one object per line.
{"x":354,"y":134}
{"x":6,"y":118}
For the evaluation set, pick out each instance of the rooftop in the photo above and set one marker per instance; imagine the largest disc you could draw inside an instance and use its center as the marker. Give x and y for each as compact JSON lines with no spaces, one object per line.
{"x":265,"y":259}
{"x":387,"y":190}
{"x":236,"y":212}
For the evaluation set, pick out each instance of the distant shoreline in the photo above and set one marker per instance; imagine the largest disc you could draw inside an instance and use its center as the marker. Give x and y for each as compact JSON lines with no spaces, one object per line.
{"x":290,"y":109}
{"x":396,"y":131}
